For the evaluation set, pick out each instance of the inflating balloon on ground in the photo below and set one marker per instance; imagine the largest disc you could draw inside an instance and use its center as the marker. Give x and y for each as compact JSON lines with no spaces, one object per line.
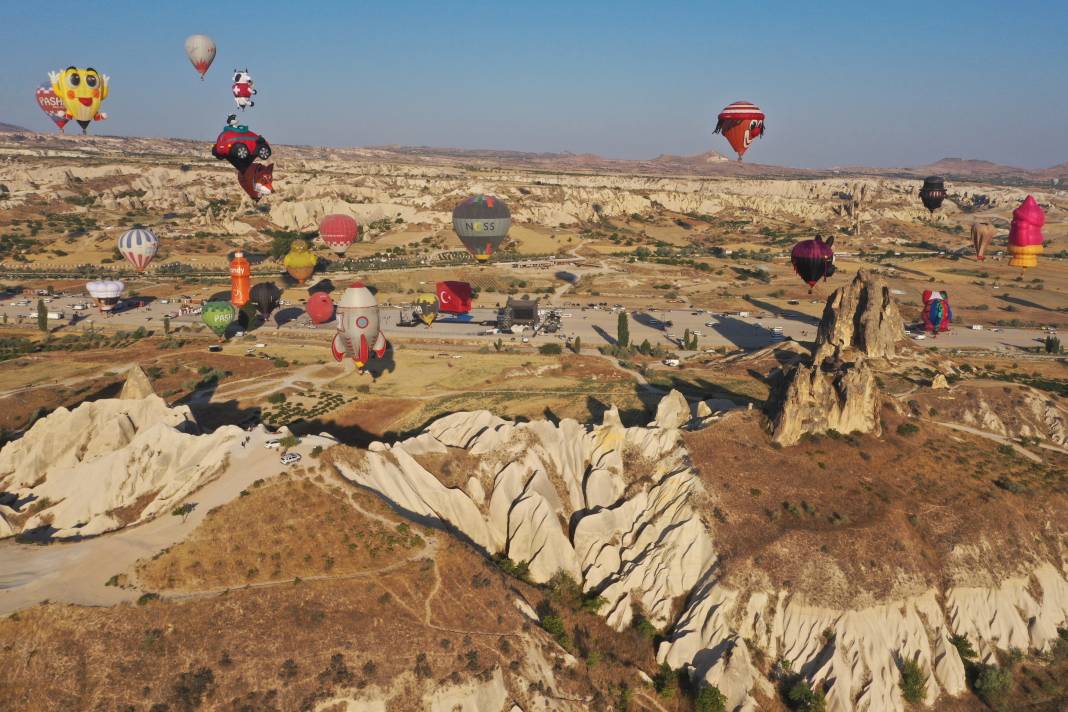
{"x":1025,"y":233}
{"x":300,"y":262}
{"x":358,"y":334}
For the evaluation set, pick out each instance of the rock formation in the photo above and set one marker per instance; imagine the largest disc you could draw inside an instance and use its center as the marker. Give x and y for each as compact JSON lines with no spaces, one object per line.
{"x":837,"y":390}
{"x":137,"y":385}
{"x":107,"y":463}
{"x":862,"y":316}
{"x":619,"y":509}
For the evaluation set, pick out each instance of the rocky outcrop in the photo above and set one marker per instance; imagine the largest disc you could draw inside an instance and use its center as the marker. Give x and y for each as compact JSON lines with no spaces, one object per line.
{"x":862,"y":316}
{"x":831,"y":395}
{"x":608,"y":505}
{"x":107,"y":464}
{"x":137,"y":385}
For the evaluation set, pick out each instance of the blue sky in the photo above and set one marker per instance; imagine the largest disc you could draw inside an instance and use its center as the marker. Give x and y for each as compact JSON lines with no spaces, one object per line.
{"x":895,"y":84}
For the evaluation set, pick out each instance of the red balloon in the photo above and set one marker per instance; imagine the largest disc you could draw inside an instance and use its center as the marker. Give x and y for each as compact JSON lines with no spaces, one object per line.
{"x":338,"y":232}
{"x":741,"y":123}
{"x":454,"y":297}
{"x":320,"y":308}
{"x":52,"y":105}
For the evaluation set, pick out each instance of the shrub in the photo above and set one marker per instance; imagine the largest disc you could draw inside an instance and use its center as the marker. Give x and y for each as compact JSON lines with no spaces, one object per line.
{"x":666,"y":682}
{"x":276,"y":398}
{"x":317,"y":451}
{"x":907,"y":429}
{"x":147,"y":598}
{"x":289,"y":441}
{"x":710,"y":699}
{"x":550,"y":349}
{"x":553,"y":624}
{"x":992,"y":684}
{"x":913,"y":682}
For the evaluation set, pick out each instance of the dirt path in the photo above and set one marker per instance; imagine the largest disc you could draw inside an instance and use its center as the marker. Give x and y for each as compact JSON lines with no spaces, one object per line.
{"x":995,"y":437}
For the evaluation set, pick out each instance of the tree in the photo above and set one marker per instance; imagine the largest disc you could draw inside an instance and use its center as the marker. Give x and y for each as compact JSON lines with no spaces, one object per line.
{"x":167,"y":325}
{"x":623,"y":330}
{"x":42,"y":315}
{"x":576,"y":345}
{"x":1052,"y":344}
{"x":710,"y":699}
{"x":992,"y":684}
{"x":913,"y":682}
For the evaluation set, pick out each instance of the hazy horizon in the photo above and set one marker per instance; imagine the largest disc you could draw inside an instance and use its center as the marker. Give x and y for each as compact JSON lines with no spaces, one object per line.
{"x":899,"y":86}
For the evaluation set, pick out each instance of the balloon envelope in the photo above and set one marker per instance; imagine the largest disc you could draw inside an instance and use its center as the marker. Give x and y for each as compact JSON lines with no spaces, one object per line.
{"x":933,"y":193}
{"x":454,"y":297}
{"x":265,"y":296}
{"x":426,"y":307}
{"x":813,"y":260}
{"x":937,"y":314}
{"x":1025,"y":233}
{"x":51,"y":105}
{"x":300,"y":262}
{"x":982,"y":235}
{"x":82,"y":90}
{"x":740,"y":123}
{"x":481,"y":222}
{"x":201,"y":52}
{"x":320,"y":308}
{"x":256,"y":179}
{"x":240,"y":274}
{"x":338,"y":232}
{"x":138,"y":246}
{"x":105,"y":293}
{"x":218,"y":316}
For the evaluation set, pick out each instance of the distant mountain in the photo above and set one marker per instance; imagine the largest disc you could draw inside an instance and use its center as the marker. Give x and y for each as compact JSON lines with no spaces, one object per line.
{"x":11,"y":128}
{"x":969,"y":167}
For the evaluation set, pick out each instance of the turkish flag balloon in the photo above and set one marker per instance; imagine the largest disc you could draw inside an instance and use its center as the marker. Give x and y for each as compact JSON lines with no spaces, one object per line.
{"x":454,"y":297}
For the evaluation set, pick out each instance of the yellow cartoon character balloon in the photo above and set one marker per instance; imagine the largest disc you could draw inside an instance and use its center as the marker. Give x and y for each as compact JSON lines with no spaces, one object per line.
{"x":81,"y":91}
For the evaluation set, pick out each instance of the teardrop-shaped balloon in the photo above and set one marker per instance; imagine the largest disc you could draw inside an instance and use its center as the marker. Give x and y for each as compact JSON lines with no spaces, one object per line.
{"x":338,"y":232}
{"x":813,"y":260}
{"x":740,"y":123}
{"x":218,"y":316}
{"x":481,"y":222}
{"x":138,"y":246}
{"x":982,"y":235}
{"x":52,"y":105}
{"x":933,"y":192}
{"x":201,"y":52}
{"x":265,"y":295}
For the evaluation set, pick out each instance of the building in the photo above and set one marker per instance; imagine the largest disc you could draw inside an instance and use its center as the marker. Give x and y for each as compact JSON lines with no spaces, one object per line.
{"x":518,"y":312}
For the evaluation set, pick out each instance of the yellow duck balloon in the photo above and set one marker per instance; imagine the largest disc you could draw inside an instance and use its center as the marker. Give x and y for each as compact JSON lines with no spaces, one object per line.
{"x":81,"y":90}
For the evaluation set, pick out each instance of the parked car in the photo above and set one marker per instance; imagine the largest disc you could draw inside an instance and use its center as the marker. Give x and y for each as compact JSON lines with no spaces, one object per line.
{"x":273,"y":444}
{"x":289,"y":458}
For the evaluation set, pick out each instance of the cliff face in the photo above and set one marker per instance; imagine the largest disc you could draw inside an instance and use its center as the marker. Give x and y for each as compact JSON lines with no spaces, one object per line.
{"x":106,"y":464}
{"x":621,"y":510}
{"x":862,"y":316}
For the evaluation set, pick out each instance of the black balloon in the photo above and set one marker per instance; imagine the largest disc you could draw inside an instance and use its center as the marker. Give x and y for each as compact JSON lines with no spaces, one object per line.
{"x":933,"y":192}
{"x":265,"y":296}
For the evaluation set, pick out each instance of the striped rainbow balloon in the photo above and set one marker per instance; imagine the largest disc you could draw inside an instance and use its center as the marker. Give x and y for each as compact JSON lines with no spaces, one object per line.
{"x":138,"y":246}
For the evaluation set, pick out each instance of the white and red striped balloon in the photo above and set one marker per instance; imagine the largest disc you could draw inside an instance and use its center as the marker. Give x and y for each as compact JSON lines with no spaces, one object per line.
{"x":338,"y":232}
{"x":138,"y":246}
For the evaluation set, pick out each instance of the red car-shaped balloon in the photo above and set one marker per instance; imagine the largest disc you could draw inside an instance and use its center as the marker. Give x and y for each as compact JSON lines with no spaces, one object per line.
{"x":238,"y":142}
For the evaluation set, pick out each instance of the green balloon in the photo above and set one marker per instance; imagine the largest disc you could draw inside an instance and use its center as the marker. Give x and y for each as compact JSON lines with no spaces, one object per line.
{"x":218,"y":316}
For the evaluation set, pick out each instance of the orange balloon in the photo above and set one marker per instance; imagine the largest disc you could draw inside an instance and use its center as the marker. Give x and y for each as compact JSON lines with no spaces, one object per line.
{"x":240,"y":272}
{"x":741,"y":123}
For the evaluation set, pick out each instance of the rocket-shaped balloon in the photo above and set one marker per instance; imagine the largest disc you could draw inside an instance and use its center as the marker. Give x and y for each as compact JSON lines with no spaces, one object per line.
{"x":358,"y":335}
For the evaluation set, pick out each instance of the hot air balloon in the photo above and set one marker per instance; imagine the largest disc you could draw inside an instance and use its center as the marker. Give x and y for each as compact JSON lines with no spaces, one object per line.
{"x":338,"y":232}
{"x":300,"y":263}
{"x":138,"y":246}
{"x":454,"y":297}
{"x":426,"y":308}
{"x":358,"y":335}
{"x":265,"y":296}
{"x":257,"y":180}
{"x":320,"y":308}
{"x":937,"y":314}
{"x":105,"y":293}
{"x":240,"y":272}
{"x":482,"y":223}
{"x":81,"y":90}
{"x":201,"y":52}
{"x":218,"y":316}
{"x":740,"y":123}
{"x":52,"y":105}
{"x":982,"y":234}
{"x":933,"y":192}
{"x":813,"y":260}
{"x":243,"y":89}
{"x":1025,"y":233}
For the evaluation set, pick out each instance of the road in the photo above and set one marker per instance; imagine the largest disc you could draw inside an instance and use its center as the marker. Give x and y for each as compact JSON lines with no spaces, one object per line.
{"x":76,"y":572}
{"x":595,"y":326}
